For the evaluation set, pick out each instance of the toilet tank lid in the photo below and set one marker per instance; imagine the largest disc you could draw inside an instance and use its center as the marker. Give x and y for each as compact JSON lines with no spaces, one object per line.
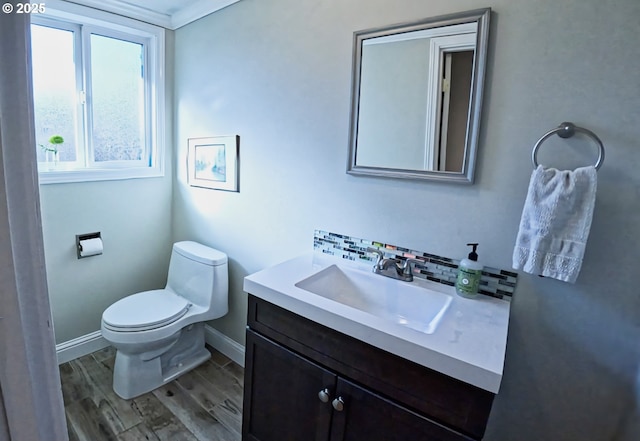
{"x":200,"y":253}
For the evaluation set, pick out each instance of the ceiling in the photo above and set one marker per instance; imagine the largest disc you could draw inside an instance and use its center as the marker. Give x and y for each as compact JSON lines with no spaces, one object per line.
{"x":170,"y":14}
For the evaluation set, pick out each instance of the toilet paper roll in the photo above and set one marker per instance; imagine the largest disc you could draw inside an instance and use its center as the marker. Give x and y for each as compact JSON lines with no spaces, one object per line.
{"x":90,"y":247}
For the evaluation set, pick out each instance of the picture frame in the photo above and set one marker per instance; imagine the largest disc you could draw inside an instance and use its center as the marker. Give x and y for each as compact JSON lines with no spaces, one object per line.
{"x":213,"y":162}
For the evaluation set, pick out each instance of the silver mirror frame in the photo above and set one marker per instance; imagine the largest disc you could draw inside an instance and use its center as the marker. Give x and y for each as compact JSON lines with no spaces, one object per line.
{"x":466,"y":176}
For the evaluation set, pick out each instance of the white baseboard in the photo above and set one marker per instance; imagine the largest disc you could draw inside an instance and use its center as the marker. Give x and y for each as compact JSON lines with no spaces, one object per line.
{"x":78,"y":347}
{"x":224,"y":344}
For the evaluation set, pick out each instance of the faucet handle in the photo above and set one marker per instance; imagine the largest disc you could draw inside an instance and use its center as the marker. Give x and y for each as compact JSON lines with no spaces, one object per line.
{"x":378,"y":253}
{"x":407,"y":265}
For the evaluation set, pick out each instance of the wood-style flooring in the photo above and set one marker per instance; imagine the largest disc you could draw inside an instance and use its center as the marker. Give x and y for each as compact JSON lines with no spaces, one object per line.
{"x":203,"y":404}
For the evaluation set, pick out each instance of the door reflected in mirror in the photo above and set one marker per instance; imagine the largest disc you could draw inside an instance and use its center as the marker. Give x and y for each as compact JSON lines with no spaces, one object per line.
{"x":416,"y":98}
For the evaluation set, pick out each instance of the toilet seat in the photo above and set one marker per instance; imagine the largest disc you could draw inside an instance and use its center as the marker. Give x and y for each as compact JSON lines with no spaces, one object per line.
{"x":145,"y":311}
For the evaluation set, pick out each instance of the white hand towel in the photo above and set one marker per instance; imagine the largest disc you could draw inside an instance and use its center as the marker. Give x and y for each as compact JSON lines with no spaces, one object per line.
{"x":555,"y":222}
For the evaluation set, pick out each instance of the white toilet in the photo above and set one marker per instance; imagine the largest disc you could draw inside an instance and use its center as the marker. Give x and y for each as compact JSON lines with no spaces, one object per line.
{"x":159,"y":334}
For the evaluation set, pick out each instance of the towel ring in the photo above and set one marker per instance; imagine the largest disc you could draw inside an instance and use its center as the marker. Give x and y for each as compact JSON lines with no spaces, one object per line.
{"x":567,"y":130}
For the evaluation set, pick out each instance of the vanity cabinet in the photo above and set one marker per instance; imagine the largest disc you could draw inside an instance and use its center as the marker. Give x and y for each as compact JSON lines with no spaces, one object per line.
{"x":308,"y":382}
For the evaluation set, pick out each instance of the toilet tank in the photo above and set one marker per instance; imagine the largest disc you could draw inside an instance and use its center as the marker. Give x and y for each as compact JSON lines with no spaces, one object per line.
{"x":200,"y":274}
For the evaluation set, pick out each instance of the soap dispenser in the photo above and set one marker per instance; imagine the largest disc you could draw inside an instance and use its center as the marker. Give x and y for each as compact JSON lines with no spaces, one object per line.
{"x":469,"y":273}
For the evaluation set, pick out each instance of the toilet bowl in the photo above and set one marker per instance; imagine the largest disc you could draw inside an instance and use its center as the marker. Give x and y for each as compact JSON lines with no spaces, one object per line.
{"x":159,"y":334}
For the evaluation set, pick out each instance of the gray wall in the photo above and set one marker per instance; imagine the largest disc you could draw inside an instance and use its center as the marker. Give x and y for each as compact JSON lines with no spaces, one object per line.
{"x":278,"y":74}
{"x":134,"y":217}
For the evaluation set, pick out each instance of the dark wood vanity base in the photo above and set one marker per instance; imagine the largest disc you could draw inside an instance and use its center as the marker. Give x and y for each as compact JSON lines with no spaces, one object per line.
{"x":305,"y":381}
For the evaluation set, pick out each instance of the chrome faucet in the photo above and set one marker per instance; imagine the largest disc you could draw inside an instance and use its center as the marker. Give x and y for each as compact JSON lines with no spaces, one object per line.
{"x":394,"y":268}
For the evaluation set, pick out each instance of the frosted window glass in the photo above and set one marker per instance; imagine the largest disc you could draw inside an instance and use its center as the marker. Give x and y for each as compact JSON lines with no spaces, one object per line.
{"x":54,"y":89}
{"x":117,"y":99}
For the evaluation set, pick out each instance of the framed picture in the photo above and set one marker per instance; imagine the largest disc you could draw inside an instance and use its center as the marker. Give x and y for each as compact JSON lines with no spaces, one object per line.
{"x":213,"y":162}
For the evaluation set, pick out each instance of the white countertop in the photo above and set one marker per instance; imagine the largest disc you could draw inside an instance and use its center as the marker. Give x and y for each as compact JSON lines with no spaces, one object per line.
{"x":468,"y":344}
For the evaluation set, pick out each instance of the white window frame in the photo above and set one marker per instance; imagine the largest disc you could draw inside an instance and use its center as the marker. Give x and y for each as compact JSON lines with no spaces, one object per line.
{"x":153,"y":38}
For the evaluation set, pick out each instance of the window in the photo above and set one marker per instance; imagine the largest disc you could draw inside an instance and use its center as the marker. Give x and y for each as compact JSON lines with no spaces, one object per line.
{"x":98,"y":85}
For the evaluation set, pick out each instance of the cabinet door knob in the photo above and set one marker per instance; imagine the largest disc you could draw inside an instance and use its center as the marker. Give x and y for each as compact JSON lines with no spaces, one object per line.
{"x":338,"y":404}
{"x":324,"y":395}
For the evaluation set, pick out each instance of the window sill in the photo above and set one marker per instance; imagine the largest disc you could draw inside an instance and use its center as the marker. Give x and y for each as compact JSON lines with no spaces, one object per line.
{"x":89,"y":175}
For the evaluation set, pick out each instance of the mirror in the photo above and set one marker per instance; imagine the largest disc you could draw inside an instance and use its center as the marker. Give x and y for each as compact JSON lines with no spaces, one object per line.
{"x":416,"y":98}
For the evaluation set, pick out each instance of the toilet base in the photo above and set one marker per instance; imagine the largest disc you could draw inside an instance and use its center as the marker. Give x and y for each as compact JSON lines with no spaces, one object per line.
{"x":135,"y":374}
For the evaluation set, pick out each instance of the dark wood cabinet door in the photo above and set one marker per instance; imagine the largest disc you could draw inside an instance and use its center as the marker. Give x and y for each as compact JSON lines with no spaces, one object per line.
{"x":368,"y":416}
{"x":281,"y":401}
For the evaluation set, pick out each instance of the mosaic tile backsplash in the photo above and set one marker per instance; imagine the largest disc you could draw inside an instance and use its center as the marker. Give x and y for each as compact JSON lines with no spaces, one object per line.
{"x":494,"y":282}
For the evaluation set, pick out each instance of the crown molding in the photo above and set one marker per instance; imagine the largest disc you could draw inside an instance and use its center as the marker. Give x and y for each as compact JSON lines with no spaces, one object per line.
{"x":120,"y":8}
{"x":178,"y":19}
{"x":198,"y":10}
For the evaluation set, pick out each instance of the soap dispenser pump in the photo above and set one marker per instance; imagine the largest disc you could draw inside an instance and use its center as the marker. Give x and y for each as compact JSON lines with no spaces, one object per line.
{"x":469,"y":273}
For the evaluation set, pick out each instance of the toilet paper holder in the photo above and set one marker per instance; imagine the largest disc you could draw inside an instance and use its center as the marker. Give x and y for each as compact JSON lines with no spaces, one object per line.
{"x":80,"y":238}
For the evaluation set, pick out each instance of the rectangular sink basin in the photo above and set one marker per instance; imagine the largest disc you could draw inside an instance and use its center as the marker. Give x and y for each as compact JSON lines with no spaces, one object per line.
{"x":403,"y":303}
